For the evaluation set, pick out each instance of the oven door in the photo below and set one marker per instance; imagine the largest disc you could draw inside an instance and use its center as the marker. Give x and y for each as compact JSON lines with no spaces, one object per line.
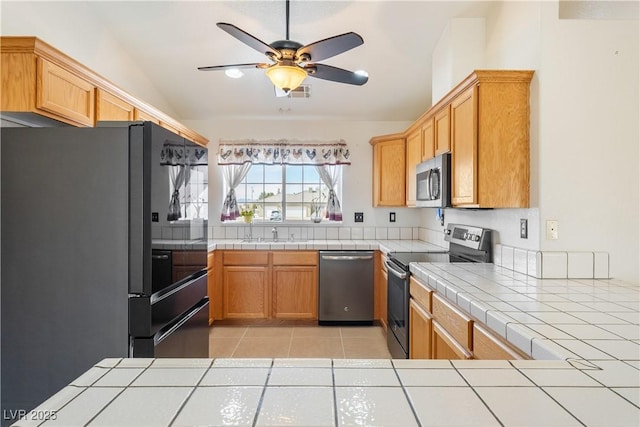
{"x":397,"y":312}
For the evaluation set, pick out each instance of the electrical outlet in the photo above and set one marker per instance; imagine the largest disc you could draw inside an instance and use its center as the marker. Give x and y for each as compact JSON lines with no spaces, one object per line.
{"x":524,"y":231}
{"x":552,"y":229}
{"x":358,"y":217}
{"x":154,"y":217}
{"x":392,"y":217}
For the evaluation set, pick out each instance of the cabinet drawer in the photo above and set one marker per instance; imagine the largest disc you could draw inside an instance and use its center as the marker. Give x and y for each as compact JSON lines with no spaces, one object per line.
{"x":245,"y":258}
{"x":489,"y":347}
{"x":457,"y":324}
{"x":445,"y":346}
{"x":295,"y":258}
{"x":198,"y":258}
{"x":420,"y":293}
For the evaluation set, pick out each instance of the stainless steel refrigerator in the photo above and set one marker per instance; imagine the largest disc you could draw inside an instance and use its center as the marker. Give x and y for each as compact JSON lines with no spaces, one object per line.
{"x":95,"y":222}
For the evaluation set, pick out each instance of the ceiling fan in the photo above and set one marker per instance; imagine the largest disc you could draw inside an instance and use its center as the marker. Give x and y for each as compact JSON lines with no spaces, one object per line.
{"x":292,"y":62}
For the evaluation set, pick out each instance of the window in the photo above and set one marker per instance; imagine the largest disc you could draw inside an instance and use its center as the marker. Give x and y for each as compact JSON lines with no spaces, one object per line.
{"x":283,"y":192}
{"x":195,"y":203}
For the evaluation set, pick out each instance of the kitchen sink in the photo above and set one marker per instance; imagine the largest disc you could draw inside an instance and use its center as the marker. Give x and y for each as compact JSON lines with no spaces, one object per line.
{"x":262,"y":240}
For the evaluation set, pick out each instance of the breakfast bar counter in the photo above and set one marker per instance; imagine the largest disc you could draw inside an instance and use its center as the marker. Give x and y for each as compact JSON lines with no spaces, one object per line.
{"x":344,"y":392}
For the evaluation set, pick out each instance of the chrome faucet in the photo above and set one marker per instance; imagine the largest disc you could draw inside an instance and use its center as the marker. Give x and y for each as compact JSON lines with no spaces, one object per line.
{"x":274,"y":232}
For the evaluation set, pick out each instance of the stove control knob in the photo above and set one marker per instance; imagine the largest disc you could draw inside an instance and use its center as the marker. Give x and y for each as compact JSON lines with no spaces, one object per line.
{"x":476,"y":238}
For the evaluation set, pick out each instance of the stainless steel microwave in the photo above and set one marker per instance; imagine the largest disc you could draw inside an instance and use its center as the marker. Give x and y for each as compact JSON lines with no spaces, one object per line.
{"x":433,"y":182}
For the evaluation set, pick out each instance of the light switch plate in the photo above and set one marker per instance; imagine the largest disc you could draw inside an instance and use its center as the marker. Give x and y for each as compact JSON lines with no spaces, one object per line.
{"x":392,"y":217}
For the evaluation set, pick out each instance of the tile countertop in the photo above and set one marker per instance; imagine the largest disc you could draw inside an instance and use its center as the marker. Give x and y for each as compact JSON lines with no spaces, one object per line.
{"x":326,"y":392}
{"x":590,"y":319}
{"x":385,"y":246}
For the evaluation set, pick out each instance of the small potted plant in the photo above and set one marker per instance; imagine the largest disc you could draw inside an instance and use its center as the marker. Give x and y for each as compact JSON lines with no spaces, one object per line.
{"x":248,"y":213}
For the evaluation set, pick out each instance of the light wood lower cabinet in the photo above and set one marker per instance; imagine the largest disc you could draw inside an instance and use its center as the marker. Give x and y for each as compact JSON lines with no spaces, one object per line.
{"x":445,"y":346}
{"x":267,"y":285}
{"x":246,"y":292}
{"x":380,"y":289}
{"x":295,"y":292}
{"x":489,"y":347}
{"x":420,"y":331}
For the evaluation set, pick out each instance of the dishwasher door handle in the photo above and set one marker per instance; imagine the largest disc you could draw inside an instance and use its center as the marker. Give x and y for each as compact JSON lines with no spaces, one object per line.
{"x":398,"y":274}
{"x":347,"y":257}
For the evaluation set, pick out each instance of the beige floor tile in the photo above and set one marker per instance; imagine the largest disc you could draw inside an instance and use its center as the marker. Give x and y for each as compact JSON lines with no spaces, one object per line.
{"x":222,"y":347}
{"x":263,"y":347}
{"x":365,"y":348}
{"x":227,"y":331}
{"x":269,"y":331}
{"x":316,"y":347}
{"x":316,"y":331}
{"x":362,"y":332}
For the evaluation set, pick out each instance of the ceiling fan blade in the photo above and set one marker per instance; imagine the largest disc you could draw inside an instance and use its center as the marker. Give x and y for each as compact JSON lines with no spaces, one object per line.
{"x":323,"y":49}
{"x":226,"y":67}
{"x":249,"y":40}
{"x":327,"y":72}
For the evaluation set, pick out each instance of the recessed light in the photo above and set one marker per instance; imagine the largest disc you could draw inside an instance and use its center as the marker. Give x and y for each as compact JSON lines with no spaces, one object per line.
{"x":362,"y":73}
{"x":234,"y":73}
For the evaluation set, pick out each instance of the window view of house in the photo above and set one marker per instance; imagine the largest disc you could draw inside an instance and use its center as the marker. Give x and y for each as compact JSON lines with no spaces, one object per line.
{"x":283,"y":192}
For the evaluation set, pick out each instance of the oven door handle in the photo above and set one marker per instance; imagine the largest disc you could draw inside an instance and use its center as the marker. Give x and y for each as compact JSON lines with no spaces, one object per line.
{"x":399,"y":274}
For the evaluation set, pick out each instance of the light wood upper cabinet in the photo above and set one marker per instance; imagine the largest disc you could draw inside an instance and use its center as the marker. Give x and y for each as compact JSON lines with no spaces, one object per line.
{"x":490,"y":140}
{"x":38,"y":78}
{"x":61,"y":92}
{"x":414,"y":156}
{"x":465,"y":156}
{"x":111,"y":108}
{"x":484,"y":123}
{"x":428,"y":139}
{"x":389,"y":173}
{"x":442,"y":131}
{"x":139,"y":114}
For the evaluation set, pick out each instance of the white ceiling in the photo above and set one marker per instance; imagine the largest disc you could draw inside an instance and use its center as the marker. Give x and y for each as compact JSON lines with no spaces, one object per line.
{"x":170,"y":39}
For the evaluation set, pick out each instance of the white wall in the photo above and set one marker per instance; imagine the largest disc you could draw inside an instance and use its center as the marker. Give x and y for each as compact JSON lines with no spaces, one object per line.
{"x":357,"y":178}
{"x":84,"y":39}
{"x":584,"y":132}
{"x":589,"y":137}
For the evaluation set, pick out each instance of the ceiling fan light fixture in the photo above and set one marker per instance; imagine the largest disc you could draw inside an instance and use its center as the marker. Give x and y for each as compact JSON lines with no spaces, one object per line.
{"x":286,"y":77}
{"x":234,"y":73}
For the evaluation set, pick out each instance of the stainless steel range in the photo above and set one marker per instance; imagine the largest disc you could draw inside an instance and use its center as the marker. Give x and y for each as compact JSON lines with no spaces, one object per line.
{"x":466,"y":244}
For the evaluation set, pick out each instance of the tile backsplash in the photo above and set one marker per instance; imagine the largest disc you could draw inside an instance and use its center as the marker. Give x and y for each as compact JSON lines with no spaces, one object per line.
{"x":553,"y":264}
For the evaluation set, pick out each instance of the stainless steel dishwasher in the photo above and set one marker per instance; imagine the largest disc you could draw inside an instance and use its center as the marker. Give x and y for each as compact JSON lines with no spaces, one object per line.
{"x":346,"y":288}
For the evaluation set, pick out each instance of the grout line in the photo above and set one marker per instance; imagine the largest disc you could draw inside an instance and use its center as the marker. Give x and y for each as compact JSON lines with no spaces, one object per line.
{"x":264,"y":390}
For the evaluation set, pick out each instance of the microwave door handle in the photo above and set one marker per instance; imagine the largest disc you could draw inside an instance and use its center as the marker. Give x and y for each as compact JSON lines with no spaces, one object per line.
{"x":429,"y":184}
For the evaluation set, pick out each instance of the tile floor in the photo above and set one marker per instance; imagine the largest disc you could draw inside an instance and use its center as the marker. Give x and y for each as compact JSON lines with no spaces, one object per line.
{"x":350,"y":342}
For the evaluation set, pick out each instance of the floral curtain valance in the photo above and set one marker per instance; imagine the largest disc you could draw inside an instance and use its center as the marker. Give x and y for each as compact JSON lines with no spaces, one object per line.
{"x":283,"y":152}
{"x":176,"y":154}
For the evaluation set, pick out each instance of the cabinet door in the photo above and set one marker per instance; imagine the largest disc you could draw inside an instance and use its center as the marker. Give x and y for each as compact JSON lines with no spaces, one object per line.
{"x":111,"y":108}
{"x":380,"y":293}
{"x":444,"y":346}
{"x":144,"y":116}
{"x":389,"y":174}
{"x":245,"y":292}
{"x":420,"y":331}
{"x":414,"y":156}
{"x":464,"y":152}
{"x":60,"y":92}
{"x":295,"y":292}
{"x":428,"y":139}
{"x":442,"y":131}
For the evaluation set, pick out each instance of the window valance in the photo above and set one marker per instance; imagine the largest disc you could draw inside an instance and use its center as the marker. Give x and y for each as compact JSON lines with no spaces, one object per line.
{"x":283,"y":151}
{"x":175,"y":154}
